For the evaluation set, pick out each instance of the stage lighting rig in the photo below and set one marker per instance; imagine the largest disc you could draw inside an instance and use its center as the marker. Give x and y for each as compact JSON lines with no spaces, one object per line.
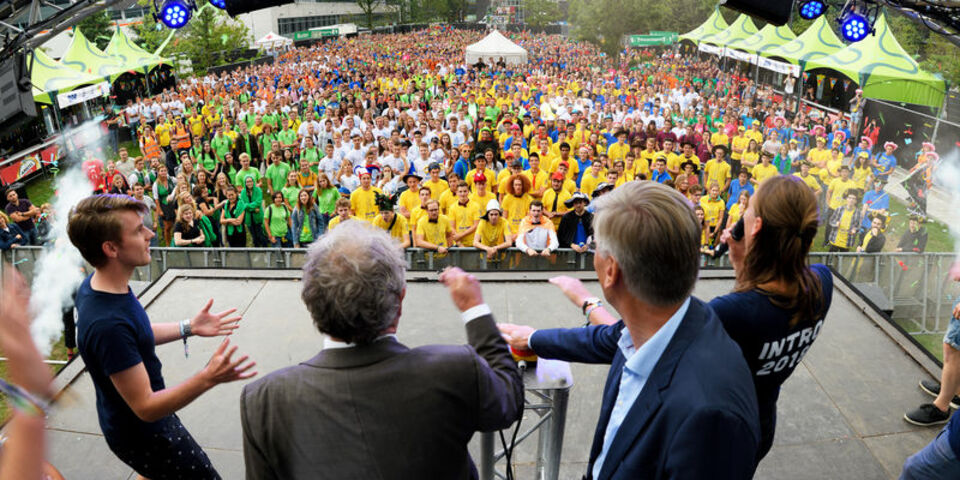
{"x":856,"y":19}
{"x":221,"y":4}
{"x":812,"y":9}
{"x":174,"y":13}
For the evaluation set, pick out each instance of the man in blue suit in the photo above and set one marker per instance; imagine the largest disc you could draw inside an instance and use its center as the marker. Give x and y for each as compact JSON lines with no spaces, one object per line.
{"x":679,"y":401}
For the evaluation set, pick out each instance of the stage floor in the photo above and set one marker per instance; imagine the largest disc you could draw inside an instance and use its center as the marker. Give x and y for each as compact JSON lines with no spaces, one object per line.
{"x":840,"y":414}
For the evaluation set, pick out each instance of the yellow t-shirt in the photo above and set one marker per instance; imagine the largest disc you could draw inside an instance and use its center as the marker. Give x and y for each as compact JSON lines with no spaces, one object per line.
{"x":434,"y":232}
{"x":762,"y":172}
{"x":843,"y":230}
{"x":756,"y":136}
{"x":739,"y":142}
{"x":481,"y":199}
{"x":436,"y":188}
{"x":618,"y":151}
{"x":448,"y":197}
{"x":364,"y":203}
{"x":719,"y":139}
{"x":673,"y":160}
{"x":163,"y":134}
{"x":548,"y":203}
{"x":463,"y":217}
{"x":410,"y":200}
{"x":515,"y":208}
{"x":750,"y":159}
{"x":491,"y":178}
{"x":589,"y":183}
{"x":717,"y":171}
{"x":733,"y":215}
{"x":861,"y":176}
{"x":399,"y":229}
{"x":539,"y":180}
{"x":336,"y":221}
{"x":415,"y":215}
{"x":810,"y":180}
{"x":573,"y":166}
{"x":838,"y":189}
{"x":196,"y":125}
{"x":712,"y":210}
{"x":493,"y":235}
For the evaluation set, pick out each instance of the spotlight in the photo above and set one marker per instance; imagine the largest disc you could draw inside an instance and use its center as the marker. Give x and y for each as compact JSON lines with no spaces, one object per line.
{"x":811,"y":9}
{"x":855,"y":27}
{"x":174,"y":13}
{"x":221,"y":4}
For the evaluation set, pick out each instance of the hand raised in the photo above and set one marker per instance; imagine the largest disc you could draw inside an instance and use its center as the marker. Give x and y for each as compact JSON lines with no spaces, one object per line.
{"x":464,"y":288}
{"x":572,"y":288}
{"x":207,"y":324}
{"x":223,"y":369}
{"x":517,"y":336}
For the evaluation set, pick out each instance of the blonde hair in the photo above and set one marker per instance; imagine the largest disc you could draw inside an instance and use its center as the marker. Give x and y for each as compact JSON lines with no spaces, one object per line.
{"x":183,"y":208}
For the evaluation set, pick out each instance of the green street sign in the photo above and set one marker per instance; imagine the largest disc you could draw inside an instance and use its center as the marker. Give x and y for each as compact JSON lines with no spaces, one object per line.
{"x":314,"y":34}
{"x":649,"y":40}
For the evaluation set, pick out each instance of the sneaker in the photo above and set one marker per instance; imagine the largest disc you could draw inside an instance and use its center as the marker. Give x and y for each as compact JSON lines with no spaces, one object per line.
{"x":926,"y":415}
{"x":933,"y":388}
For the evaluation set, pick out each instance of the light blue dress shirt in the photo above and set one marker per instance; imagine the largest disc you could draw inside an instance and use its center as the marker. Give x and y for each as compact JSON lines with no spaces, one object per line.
{"x":636,"y":370}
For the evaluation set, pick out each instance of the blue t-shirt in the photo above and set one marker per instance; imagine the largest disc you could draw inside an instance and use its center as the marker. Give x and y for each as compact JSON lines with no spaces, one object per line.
{"x":734,"y":192}
{"x":114,"y":334}
{"x":875,"y":201}
{"x":770,"y":345}
{"x":953,"y":434}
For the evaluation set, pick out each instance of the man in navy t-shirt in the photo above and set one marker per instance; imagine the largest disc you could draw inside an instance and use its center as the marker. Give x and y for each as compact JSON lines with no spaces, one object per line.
{"x":117,"y":341}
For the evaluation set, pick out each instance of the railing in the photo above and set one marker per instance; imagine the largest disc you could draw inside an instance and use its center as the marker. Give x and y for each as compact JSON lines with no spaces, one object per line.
{"x":913,"y":286}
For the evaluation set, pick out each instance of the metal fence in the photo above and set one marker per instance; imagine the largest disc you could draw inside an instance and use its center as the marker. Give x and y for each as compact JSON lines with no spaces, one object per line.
{"x":914,"y":287}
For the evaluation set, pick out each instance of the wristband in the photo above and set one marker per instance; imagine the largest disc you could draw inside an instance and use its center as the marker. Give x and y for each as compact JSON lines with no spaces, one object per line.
{"x":185,"y":329}
{"x":587,"y":302}
{"x":23,"y":401}
{"x":590,"y":310}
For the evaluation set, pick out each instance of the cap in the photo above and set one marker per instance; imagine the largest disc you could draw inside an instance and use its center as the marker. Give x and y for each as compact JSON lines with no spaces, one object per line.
{"x":602,"y":187}
{"x":433,"y":166}
{"x":360,"y":171}
{"x":479,"y":178}
{"x":516,"y":164}
{"x":493,"y":204}
{"x":557,"y":176}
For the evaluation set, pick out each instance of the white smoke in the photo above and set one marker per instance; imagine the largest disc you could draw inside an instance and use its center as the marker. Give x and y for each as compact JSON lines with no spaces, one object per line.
{"x":59,"y":270}
{"x":947,"y":177}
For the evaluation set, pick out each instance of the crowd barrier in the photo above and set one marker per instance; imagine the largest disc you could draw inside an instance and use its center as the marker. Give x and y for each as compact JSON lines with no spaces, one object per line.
{"x":912,"y":287}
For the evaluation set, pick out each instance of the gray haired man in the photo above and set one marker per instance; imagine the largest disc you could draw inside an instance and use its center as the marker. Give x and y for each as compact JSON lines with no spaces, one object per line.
{"x":367,"y":406}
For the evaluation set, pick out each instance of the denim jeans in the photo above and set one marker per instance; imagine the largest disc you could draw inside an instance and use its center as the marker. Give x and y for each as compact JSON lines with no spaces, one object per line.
{"x":934,"y":462}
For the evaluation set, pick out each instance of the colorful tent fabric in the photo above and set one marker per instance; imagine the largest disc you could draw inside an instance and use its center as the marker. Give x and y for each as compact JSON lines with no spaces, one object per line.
{"x":86,"y":57}
{"x":130,"y":55}
{"x":817,"y":41}
{"x":714,"y":25}
{"x":884,"y":70}
{"x":741,"y":29}
{"x":768,"y":37}
{"x":49,"y":75}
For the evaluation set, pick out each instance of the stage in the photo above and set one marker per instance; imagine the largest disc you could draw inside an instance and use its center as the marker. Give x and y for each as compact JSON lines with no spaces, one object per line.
{"x":840,"y":414}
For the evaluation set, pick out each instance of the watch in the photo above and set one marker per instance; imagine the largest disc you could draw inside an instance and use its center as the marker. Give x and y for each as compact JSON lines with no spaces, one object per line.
{"x":587,"y":302}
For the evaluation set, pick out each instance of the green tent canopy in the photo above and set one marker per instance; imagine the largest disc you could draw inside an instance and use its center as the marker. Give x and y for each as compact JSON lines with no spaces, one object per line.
{"x":742,"y":28}
{"x":86,"y":57}
{"x":884,"y":70}
{"x":715,"y":24}
{"x":130,"y":54}
{"x":816,"y":42}
{"x":49,"y":75}
{"x":768,"y":37}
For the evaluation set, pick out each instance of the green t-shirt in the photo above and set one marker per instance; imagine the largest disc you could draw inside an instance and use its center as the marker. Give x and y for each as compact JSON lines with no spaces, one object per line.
{"x":311,"y":155}
{"x":240,"y":177}
{"x":277,"y":175}
{"x":327,"y":200}
{"x":287,"y":137}
{"x":272,"y":119}
{"x":306,"y":235}
{"x":221,"y":144}
{"x":290,"y":194}
{"x":277,"y":217}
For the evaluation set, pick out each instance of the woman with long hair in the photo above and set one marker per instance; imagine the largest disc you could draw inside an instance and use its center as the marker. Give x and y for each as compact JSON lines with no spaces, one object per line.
{"x":327,"y":196}
{"x":252,"y":197}
{"x":779,"y":300}
{"x":232,"y":218}
{"x":186,"y":231}
{"x":276,"y":222}
{"x":307,"y":225}
{"x":164,"y":192}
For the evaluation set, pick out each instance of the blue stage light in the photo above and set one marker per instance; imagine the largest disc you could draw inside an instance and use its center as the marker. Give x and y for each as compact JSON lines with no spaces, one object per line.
{"x":854,"y":27}
{"x":174,"y":13}
{"x":812,"y":9}
{"x":221,"y":4}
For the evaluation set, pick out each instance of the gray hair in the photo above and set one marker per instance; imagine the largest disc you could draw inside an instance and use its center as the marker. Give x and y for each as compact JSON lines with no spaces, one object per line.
{"x":651,"y":231}
{"x":352,"y":282}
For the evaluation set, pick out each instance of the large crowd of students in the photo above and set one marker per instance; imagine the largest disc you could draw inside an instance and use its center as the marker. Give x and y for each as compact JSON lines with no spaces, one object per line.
{"x":275,"y":155}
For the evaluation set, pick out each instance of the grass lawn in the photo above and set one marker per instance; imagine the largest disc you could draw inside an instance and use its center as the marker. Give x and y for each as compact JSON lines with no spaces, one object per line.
{"x":58,"y":352}
{"x":938,"y":235}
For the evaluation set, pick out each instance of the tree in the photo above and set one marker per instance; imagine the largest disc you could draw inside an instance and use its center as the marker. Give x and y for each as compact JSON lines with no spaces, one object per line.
{"x":540,"y":13}
{"x":367,"y":7}
{"x":149,"y":32}
{"x":98,"y":28}
{"x":592,"y":20}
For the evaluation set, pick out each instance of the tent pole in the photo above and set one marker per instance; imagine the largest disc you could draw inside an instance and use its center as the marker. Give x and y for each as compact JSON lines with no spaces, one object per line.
{"x":936,"y":126}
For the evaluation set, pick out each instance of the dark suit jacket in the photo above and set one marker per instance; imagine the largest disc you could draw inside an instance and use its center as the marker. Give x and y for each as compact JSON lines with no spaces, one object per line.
{"x":696,"y":416}
{"x":381,"y":411}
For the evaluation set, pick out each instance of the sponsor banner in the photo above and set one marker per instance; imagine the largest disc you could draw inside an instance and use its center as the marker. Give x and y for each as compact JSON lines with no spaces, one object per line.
{"x":81,"y":95}
{"x":742,"y":56}
{"x":712,"y":49}
{"x":21,"y":167}
{"x":779,"y":67}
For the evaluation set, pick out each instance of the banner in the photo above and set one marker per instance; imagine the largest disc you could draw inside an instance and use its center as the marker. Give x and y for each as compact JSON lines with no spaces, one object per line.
{"x":742,"y":56}
{"x":81,"y":95}
{"x":779,"y":67}
{"x":19,"y":168}
{"x":649,"y":40}
{"x":712,"y":49}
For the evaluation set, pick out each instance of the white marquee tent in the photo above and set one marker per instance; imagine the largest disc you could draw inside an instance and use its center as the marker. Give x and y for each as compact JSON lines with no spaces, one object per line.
{"x":496,"y":45}
{"x":272,"y":40}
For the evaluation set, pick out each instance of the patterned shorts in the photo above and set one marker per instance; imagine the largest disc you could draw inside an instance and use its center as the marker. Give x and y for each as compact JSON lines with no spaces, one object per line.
{"x":171,"y":453}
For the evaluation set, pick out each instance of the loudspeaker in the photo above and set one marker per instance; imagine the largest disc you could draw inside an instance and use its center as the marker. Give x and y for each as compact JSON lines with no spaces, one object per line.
{"x":239,"y":7}
{"x":776,"y":12}
{"x":16,"y":95}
